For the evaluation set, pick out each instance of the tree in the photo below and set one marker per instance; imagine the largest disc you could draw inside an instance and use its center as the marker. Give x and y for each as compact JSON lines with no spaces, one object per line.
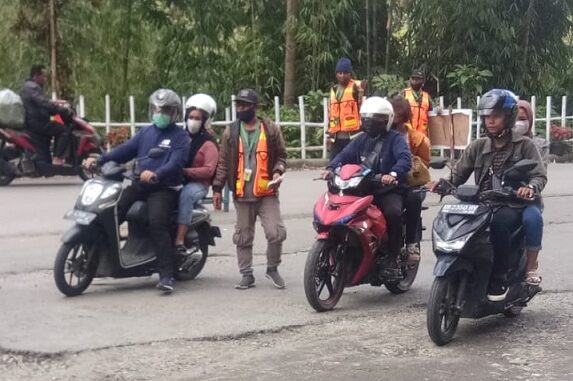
{"x":290,"y":53}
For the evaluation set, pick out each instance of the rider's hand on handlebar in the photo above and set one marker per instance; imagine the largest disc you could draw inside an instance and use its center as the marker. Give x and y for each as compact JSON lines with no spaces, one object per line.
{"x":432,"y":186}
{"x":217,"y":200}
{"x":389,"y":180}
{"x":525,"y":193}
{"x":147,"y":176}
{"x":89,"y":162}
{"x":326,"y":174}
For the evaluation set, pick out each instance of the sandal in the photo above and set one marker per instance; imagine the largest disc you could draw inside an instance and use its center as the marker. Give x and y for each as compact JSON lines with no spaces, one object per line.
{"x":532,"y":278}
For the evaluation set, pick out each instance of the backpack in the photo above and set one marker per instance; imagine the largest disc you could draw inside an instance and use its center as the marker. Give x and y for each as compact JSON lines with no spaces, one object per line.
{"x":11,"y":110}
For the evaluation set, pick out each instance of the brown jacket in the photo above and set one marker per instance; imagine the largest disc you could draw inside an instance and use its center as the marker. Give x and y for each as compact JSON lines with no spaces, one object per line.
{"x":229,"y":157}
{"x":478,"y":158}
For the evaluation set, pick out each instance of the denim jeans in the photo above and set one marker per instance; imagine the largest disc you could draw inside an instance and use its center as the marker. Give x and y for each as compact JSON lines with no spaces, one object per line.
{"x":189,"y":196}
{"x":533,"y":225}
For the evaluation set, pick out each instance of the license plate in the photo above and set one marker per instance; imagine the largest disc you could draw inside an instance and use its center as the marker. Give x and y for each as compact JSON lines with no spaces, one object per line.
{"x":81,"y":217}
{"x":467,"y":209}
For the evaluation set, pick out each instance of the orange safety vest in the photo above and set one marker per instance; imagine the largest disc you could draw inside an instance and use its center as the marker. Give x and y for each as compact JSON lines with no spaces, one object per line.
{"x":344,"y":113}
{"x":419,"y":110}
{"x":261,"y":180}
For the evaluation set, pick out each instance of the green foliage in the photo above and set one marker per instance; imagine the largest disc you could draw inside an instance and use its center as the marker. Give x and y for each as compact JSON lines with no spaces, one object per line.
{"x":388,"y":85}
{"x":468,"y":80}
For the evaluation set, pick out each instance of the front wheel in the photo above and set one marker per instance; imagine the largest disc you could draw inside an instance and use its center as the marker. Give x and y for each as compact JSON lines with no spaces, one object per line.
{"x":442,"y":318}
{"x":324,"y":275}
{"x":74,"y":268}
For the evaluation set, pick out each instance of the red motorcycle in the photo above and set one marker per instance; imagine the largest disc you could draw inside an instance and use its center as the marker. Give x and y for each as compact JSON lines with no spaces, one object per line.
{"x":18,"y":156}
{"x":351,"y":243}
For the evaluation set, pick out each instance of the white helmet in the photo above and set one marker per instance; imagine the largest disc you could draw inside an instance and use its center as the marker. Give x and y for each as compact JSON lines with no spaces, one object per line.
{"x":204,"y":103}
{"x":377,"y":115}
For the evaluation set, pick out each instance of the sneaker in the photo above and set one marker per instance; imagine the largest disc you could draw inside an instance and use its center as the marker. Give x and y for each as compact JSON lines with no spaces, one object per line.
{"x":497,"y":291}
{"x":166,"y":284}
{"x":247,"y":281}
{"x":276,"y":278}
{"x":412,"y":253}
{"x":181,"y":249}
{"x":390,"y":269}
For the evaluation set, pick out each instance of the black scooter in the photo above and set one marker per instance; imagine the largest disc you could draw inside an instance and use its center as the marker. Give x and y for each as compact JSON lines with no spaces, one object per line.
{"x":465,"y":255}
{"x":92,"y":247}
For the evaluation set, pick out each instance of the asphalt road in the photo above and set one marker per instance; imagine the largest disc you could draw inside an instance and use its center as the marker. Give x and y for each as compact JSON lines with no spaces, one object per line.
{"x":123,"y":329}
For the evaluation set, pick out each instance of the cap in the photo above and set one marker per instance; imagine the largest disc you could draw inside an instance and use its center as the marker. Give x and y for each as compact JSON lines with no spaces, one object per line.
{"x":344,"y":65}
{"x":248,"y":96}
{"x":418,"y":73}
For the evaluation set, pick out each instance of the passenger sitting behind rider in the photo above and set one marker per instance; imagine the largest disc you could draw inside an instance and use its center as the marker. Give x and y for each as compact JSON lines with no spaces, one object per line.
{"x":386,"y":152}
{"x":159,"y":177}
{"x":201,"y":163}
{"x":488,"y":158}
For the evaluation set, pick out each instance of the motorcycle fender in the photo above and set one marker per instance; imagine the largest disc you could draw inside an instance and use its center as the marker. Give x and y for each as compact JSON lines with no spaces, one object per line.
{"x":450,"y":263}
{"x":207,"y":233}
{"x":78,"y":234}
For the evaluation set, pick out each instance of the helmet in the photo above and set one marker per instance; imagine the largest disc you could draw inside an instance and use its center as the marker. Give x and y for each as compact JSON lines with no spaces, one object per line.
{"x":247,"y":96}
{"x":204,"y":103}
{"x":166,"y":102}
{"x":377,"y":115}
{"x":500,"y":100}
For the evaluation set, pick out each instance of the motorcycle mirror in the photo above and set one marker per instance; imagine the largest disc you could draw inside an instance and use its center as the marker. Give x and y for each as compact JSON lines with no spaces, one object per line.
{"x":520,"y":170}
{"x":438,"y":163}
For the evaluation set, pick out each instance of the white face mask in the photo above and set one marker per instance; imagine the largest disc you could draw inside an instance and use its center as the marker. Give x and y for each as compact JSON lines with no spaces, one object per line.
{"x":521,"y":127}
{"x":193,"y":126}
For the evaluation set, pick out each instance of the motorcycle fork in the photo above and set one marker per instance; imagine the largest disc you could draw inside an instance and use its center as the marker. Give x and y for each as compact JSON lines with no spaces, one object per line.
{"x":460,"y":301}
{"x":341,"y":253}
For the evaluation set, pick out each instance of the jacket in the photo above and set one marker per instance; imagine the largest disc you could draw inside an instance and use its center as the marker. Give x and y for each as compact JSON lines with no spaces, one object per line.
{"x":204,"y":164}
{"x":478,"y":158}
{"x":395,"y":155}
{"x":168,"y":167}
{"x":38,"y":108}
{"x":229,"y":154}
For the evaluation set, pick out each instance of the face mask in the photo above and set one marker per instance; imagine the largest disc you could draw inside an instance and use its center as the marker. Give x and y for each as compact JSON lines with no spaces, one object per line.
{"x":246,"y":116}
{"x":521,"y":127}
{"x":161,"y":120}
{"x":193,"y":126}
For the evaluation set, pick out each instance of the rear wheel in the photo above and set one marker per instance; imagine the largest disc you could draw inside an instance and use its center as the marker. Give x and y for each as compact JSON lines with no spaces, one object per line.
{"x":74,"y":268}
{"x":409,"y":272}
{"x":324,"y":275}
{"x":187,"y":269}
{"x":6,"y":177}
{"x":442,"y":318}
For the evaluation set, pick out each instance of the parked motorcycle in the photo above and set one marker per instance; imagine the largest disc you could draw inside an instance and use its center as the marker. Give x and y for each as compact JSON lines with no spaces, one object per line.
{"x":93,"y":246}
{"x":462,"y":244}
{"x":351,"y":239}
{"x":18,"y":156}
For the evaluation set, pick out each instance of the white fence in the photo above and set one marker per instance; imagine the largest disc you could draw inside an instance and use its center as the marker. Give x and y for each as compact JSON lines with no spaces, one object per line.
{"x":304,"y":124}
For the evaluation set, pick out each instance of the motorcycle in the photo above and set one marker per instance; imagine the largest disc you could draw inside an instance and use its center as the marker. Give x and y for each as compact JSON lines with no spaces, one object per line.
{"x":18,"y":153}
{"x":92,"y":247}
{"x":465,"y":254}
{"x":351,"y":239}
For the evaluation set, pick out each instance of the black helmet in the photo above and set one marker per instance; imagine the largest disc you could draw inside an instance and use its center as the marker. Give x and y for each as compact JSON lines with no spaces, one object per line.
{"x":247,"y":96}
{"x":500,"y":100}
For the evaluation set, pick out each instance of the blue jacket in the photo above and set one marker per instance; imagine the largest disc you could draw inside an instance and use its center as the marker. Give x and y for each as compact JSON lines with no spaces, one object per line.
{"x":394,"y":157}
{"x":168,"y":167}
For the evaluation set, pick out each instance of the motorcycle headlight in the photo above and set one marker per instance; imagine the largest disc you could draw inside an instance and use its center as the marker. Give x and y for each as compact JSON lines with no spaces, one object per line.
{"x":91,"y":192}
{"x":454,"y":245}
{"x":110,"y":191}
{"x":345,"y":184}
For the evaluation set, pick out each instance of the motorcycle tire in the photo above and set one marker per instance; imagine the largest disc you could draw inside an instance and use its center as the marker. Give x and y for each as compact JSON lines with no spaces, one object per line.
{"x":195,"y":269}
{"x":85,"y":265}
{"x":318,"y":274}
{"x":441,"y":320}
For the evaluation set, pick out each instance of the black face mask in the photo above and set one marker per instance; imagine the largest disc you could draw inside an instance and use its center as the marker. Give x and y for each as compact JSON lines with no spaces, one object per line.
{"x":246,"y":116}
{"x":373,"y":128}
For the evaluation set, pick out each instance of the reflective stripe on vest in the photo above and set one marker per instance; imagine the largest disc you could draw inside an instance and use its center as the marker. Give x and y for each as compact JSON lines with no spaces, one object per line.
{"x":261,"y":178}
{"x":420,"y":111}
{"x":344,"y":113}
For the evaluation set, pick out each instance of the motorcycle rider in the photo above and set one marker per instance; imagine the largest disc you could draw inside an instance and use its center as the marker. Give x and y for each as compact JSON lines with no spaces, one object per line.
{"x":488,"y":158}
{"x":386,"y":152}
{"x":201,"y":162}
{"x":38,"y":111}
{"x":159,"y":177}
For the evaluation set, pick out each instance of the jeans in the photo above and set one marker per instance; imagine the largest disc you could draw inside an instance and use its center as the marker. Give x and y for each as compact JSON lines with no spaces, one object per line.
{"x":160,"y":206}
{"x":391,"y":206}
{"x":190,"y":195}
{"x":533,"y":225}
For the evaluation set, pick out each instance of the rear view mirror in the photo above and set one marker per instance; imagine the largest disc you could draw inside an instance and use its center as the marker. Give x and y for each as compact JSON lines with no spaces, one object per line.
{"x":520,"y":170}
{"x":438,"y":163}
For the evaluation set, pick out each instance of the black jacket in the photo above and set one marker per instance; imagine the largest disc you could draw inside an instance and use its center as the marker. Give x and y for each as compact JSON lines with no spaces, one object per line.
{"x":38,"y":107}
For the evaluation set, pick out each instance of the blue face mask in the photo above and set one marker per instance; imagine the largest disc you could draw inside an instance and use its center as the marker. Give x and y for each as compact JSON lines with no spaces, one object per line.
{"x":161,"y":120}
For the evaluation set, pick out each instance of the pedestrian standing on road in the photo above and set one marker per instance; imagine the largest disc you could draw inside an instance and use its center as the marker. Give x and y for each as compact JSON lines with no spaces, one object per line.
{"x":420,"y":102}
{"x":345,"y":100}
{"x":252,"y":162}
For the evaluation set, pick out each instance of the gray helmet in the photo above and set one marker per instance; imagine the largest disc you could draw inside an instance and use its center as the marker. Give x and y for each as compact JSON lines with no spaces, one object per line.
{"x":166,"y":102}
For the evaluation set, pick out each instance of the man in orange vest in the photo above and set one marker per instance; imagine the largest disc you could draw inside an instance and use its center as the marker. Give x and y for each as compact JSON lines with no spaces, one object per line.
{"x":252,"y":162}
{"x":420,"y":102}
{"x":345,"y":100}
